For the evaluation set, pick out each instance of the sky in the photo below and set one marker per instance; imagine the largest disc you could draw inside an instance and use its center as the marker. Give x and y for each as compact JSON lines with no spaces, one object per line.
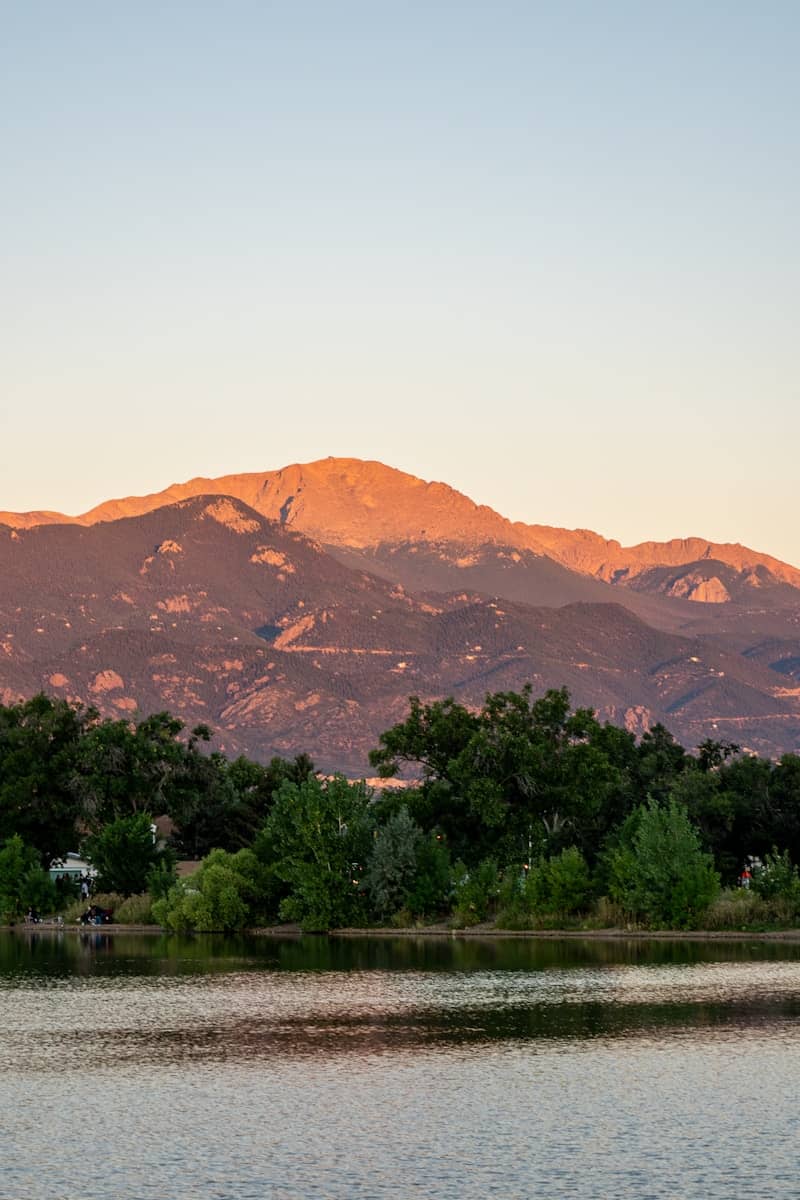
{"x":545,"y":252}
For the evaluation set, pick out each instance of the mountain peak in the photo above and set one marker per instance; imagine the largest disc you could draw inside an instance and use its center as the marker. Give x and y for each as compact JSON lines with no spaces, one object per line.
{"x":361,"y":504}
{"x":350,"y":502}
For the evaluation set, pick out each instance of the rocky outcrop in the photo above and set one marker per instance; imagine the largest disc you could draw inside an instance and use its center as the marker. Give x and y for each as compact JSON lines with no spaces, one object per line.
{"x":696,"y":587}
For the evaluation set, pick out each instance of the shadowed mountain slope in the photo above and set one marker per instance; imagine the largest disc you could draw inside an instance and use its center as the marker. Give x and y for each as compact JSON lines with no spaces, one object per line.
{"x":429,"y":536}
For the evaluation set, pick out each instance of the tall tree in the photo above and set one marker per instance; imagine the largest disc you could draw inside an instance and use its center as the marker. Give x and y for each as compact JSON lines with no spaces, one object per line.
{"x":517,"y":775}
{"x":125,"y":852}
{"x":39,"y":795}
{"x":318,"y":837}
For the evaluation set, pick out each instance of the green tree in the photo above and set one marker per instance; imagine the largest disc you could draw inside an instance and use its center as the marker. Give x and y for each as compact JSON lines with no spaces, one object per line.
{"x":712,"y":754}
{"x":568,"y":883}
{"x":517,"y":776}
{"x":662,"y":873}
{"x":784,"y":797}
{"x":206,"y":807}
{"x":39,"y":799}
{"x":224,"y":804}
{"x":433,"y":882}
{"x":107,"y":772}
{"x":23,"y":882}
{"x":724,"y":815}
{"x":125,"y":852}
{"x":660,"y":760}
{"x":392,"y":864}
{"x":317,"y":839}
{"x":126,"y":767}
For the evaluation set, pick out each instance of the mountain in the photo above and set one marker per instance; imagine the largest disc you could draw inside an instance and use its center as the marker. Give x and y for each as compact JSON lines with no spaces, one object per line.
{"x":354,"y":505}
{"x":208,"y":607}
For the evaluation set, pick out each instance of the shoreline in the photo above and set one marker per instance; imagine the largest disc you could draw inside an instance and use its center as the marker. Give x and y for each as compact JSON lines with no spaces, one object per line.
{"x":485,"y":932}
{"x":594,"y":935}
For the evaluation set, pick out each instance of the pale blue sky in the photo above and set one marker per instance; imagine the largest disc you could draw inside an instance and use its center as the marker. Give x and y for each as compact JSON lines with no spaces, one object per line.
{"x":547,"y":253}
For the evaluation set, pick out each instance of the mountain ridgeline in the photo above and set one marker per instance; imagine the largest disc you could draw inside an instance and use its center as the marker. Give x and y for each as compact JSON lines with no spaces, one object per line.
{"x":298,"y":609}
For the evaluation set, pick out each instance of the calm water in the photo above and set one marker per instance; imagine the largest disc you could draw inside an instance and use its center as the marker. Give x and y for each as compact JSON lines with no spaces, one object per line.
{"x":138,"y":1067}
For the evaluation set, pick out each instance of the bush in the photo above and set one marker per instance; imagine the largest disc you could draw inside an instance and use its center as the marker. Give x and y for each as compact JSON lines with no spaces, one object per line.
{"x":512,"y":905}
{"x":224,"y":894}
{"x":777,"y":878}
{"x":740,"y":908}
{"x":136,"y":910}
{"x":125,"y":910}
{"x":475,"y":893}
{"x":161,"y":877}
{"x":606,"y":914}
{"x":556,"y":888}
{"x":567,"y":885}
{"x":318,"y":904}
{"x":39,"y":892}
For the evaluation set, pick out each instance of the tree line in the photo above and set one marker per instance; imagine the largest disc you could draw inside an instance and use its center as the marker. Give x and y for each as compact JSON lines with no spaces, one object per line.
{"x":528,"y":810}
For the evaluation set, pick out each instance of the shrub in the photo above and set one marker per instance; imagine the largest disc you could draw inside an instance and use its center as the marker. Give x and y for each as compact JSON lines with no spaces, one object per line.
{"x":136,"y":910}
{"x":567,"y":885}
{"x":475,"y":892}
{"x":513,"y":907}
{"x":223,"y":895}
{"x":777,"y":878}
{"x":740,"y":908}
{"x":607,"y":914}
{"x":39,"y":892}
{"x":555,"y":888}
{"x":316,"y":905}
{"x":161,"y":877}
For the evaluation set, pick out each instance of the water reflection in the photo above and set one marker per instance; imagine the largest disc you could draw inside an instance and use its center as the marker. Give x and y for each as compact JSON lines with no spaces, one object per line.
{"x":165,"y":1067}
{"x":66,"y":953}
{"x":106,"y":998}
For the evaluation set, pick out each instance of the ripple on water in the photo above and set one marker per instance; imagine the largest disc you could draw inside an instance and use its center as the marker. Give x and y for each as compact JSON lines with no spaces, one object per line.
{"x":663,"y":1079}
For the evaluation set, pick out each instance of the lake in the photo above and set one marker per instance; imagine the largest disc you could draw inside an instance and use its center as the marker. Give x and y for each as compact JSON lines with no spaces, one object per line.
{"x":152,"y":1066}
